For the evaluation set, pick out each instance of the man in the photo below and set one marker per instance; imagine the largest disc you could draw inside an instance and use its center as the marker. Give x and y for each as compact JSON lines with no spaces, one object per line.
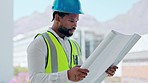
{"x":52,"y":56}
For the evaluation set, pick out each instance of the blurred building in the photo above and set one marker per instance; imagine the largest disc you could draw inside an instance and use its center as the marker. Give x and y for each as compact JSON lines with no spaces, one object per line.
{"x":135,"y":64}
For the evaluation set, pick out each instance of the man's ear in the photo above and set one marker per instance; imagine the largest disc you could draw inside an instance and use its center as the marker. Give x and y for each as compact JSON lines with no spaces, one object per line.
{"x":57,"y":18}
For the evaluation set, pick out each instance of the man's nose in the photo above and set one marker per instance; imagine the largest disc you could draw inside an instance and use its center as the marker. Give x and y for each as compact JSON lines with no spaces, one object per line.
{"x":75,"y":24}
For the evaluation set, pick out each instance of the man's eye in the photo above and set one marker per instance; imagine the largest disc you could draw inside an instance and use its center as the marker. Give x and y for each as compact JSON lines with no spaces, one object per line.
{"x":71,"y":20}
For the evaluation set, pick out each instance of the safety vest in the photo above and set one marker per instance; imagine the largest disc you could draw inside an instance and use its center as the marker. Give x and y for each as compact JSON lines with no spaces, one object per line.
{"x":57,"y":59}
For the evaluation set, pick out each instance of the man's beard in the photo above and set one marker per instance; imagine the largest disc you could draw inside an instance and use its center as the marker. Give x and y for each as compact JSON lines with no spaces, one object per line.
{"x":65,"y":31}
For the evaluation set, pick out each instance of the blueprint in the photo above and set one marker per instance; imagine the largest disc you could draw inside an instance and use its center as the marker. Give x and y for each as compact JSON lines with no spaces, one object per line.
{"x":109,"y":52}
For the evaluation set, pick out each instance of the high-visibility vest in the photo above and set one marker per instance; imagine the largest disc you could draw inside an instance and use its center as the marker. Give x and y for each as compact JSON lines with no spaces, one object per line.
{"x":57,"y":59}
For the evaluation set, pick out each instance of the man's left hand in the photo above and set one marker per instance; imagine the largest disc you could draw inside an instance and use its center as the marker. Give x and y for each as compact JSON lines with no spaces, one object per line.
{"x":111,"y":70}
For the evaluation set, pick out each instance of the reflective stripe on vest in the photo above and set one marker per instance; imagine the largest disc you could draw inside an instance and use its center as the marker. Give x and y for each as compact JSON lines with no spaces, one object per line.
{"x":57,"y":59}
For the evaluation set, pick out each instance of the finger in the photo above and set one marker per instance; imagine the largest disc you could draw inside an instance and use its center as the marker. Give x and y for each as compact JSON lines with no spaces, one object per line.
{"x":78,"y":66}
{"x":80,"y":77}
{"x":110,"y":72}
{"x":83,"y":70}
{"x":82,"y":74}
{"x":75,"y":78}
{"x":114,"y":67}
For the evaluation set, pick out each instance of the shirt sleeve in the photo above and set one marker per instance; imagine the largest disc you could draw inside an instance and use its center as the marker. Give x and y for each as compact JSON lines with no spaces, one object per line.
{"x":36,"y":56}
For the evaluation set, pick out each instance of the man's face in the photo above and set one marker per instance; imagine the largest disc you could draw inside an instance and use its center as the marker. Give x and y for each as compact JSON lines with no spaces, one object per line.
{"x":68,"y":24}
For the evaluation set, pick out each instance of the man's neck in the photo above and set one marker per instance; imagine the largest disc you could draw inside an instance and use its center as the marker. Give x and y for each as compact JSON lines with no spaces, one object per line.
{"x":58,"y":33}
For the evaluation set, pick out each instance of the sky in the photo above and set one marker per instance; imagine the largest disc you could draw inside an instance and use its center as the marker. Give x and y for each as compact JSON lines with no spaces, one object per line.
{"x":102,"y":10}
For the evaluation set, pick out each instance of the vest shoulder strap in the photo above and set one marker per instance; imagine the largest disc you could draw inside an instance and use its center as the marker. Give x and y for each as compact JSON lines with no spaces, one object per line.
{"x":54,"y":61}
{"x":76,"y":45}
{"x":41,"y":34}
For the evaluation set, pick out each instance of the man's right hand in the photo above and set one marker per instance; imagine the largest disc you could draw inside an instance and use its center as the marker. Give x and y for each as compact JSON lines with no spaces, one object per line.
{"x":76,"y":73}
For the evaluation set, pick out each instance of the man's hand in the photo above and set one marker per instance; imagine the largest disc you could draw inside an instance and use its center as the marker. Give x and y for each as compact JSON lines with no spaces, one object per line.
{"x":76,"y":73}
{"x":111,"y":70}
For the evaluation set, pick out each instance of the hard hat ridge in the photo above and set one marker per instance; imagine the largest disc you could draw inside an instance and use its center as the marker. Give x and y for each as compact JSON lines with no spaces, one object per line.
{"x":67,"y":6}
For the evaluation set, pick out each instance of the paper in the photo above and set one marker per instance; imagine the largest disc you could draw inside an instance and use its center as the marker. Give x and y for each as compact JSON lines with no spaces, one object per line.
{"x":109,"y":52}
